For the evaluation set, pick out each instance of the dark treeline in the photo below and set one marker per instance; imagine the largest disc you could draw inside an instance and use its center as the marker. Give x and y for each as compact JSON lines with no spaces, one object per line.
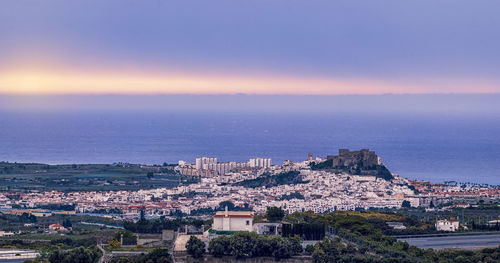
{"x":156,"y":226}
{"x":293,"y":195}
{"x":486,"y":227}
{"x":155,"y":256}
{"x":126,"y":236}
{"x":80,"y":255}
{"x":108,"y":211}
{"x":60,"y":207}
{"x":328,"y":164}
{"x":307,"y":231}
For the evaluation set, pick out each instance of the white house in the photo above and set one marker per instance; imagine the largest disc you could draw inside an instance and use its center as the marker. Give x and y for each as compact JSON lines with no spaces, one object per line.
{"x":233,"y":220}
{"x":57,"y":227}
{"x":5,"y":234}
{"x":396,"y":225}
{"x":447,"y":225}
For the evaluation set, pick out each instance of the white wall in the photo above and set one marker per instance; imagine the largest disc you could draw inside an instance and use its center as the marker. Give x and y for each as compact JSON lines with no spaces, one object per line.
{"x":232,"y":223}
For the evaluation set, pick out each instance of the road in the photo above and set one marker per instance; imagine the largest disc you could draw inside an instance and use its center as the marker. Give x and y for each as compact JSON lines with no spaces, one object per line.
{"x":465,"y":242}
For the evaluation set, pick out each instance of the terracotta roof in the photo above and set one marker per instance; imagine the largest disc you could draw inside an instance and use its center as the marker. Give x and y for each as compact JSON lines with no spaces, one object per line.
{"x":234,"y":214}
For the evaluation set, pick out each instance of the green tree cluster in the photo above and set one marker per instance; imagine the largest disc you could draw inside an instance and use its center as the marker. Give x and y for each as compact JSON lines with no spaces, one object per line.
{"x":27,"y":218}
{"x":250,"y":244}
{"x":67,"y":223}
{"x":128,"y":237}
{"x":156,"y":226}
{"x":342,"y":251}
{"x":328,"y":164}
{"x":360,"y":239}
{"x":274,"y":214}
{"x":195,"y":247}
{"x":268,"y":180}
{"x":294,"y":195}
{"x":406,"y":204}
{"x":156,"y":256}
{"x":80,"y":255}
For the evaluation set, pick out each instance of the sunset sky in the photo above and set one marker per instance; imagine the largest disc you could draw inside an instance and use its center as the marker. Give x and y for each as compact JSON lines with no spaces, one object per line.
{"x":250,"y":47}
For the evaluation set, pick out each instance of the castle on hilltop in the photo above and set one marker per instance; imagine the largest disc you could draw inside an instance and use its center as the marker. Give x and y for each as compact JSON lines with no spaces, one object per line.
{"x":363,"y":158}
{"x":362,"y":162}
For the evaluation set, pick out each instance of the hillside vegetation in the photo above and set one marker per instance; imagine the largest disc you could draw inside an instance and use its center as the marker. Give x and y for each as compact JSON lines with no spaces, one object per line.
{"x":268,"y":180}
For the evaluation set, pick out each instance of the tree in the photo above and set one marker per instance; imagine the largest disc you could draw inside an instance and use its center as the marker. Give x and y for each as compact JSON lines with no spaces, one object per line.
{"x":328,"y":164}
{"x":243,"y":244}
{"x":281,"y":247}
{"x":80,"y":255}
{"x":128,"y":237}
{"x":296,"y":244}
{"x":67,"y":223}
{"x":114,"y":243}
{"x":274,"y":214}
{"x":325,"y":251}
{"x":250,"y":244}
{"x":158,"y":255}
{"x":195,"y":247}
{"x":263,"y":247}
{"x":219,"y":246}
{"x":309,"y":249}
{"x":406,"y":204}
{"x":143,"y":215}
{"x":229,"y":204}
{"x":25,"y":217}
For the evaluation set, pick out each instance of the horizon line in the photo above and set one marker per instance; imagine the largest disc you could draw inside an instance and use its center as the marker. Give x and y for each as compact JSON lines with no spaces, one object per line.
{"x":67,"y":82}
{"x":247,"y":94}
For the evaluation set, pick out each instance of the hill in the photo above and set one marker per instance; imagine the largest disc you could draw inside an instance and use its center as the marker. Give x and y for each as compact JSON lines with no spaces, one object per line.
{"x":268,"y":180}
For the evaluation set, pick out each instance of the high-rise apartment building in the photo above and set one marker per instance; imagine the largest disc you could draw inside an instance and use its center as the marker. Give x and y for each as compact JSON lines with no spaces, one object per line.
{"x":259,"y":162}
{"x":204,"y":162}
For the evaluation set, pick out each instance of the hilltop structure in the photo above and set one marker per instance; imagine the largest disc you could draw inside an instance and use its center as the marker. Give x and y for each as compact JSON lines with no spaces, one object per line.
{"x":363,"y":158}
{"x":362,"y":162}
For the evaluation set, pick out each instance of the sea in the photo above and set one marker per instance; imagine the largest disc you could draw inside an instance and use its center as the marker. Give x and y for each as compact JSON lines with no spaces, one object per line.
{"x":434,"y":147}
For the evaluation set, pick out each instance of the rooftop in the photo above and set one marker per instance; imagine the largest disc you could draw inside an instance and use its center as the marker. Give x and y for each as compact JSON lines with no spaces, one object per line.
{"x":234,"y":214}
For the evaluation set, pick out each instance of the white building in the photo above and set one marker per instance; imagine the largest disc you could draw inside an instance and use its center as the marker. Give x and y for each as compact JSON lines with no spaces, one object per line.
{"x":233,"y":221}
{"x":204,"y":162}
{"x":447,"y":225}
{"x":259,"y":162}
{"x":5,"y":234}
{"x":396,"y":225}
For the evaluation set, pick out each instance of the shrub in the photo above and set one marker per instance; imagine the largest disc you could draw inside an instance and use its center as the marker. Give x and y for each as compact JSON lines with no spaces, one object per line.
{"x":243,"y":244}
{"x":219,"y":246}
{"x":309,"y":249}
{"x":195,"y":247}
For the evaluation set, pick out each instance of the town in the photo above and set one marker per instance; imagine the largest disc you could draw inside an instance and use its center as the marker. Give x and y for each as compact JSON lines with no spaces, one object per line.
{"x":212,"y":199}
{"x":312,"y":189}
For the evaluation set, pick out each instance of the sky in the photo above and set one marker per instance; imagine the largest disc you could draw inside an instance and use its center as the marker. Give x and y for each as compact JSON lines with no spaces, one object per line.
{"x":249,"y":47}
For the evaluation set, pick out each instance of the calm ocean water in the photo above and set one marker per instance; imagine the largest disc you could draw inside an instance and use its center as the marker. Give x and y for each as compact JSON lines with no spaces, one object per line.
{"x":437,"y":148}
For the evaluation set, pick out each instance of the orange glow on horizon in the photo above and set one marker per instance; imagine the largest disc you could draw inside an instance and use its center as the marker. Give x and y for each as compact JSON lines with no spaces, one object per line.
{"x":66,"y":82}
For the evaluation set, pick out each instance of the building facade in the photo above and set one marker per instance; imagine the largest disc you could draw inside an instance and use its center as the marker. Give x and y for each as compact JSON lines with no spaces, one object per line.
{"x":447,"y":225}
{"x":233,"y":221}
